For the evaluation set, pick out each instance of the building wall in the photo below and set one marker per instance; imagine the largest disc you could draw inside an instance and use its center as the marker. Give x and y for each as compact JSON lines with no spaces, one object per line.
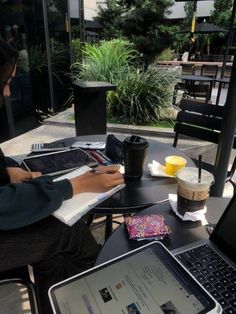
{"x":90,"y":9}
{"x":203,"y":9}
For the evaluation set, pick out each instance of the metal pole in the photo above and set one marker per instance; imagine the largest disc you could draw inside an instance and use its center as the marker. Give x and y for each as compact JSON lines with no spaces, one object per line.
{"x":226,"y":50}
{"x":49,"y":59}
{"x":68,"y":29}
{"x":228,"y":38}
{"x":226,"y":138}
{"x":193,"y":26}
{"x":81,"y":22}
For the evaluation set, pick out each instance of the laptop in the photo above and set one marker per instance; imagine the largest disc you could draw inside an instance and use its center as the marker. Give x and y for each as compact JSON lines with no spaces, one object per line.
{"x":55,"y":163}
{"x":146,"y":280}
{"x":213,"y":262}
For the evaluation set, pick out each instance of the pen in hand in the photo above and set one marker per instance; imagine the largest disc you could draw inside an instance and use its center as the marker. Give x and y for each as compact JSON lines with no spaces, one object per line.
{"x":100,"y":171}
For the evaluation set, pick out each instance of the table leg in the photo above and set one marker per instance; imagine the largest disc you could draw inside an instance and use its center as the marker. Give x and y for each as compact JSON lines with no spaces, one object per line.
{"x":218,"y":93}
{"x":108,"y":228}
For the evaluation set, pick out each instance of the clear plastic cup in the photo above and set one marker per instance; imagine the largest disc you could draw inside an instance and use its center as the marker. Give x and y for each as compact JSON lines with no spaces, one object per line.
{"x":192,"y":193}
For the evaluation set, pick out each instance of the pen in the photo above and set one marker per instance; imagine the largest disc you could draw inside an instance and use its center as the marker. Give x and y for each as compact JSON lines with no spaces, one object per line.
{"x":100,"y":171}
{"x":98,"y":157}
{"x":103,"y":155}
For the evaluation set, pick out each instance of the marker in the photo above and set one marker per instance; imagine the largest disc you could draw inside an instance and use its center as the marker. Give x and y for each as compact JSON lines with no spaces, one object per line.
{"x":99,"y":158}
{"x":103,"y":155}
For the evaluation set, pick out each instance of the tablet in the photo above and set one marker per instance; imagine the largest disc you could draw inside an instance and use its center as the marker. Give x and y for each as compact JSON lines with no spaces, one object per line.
{"x":148,"y":280}
{"x":55,"y":163}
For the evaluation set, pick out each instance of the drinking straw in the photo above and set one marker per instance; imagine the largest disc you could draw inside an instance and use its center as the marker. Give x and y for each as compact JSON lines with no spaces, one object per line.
{"x":199,"y":168}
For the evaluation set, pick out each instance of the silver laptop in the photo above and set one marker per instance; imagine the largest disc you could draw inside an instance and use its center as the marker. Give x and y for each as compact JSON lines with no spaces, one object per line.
{"x":213,"y":262}
{"x":146,"y":280}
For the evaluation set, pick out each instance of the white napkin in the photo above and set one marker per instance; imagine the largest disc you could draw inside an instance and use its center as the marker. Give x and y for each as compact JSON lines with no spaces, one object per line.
{"x":157,"y":170}
{"x":193,"y":216}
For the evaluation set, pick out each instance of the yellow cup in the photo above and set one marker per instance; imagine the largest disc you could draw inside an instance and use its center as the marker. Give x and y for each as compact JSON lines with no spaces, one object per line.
{"x":173,"y":164}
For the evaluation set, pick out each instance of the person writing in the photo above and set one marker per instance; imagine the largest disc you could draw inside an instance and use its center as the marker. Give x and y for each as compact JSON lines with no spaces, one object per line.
{"x":28,"y":232}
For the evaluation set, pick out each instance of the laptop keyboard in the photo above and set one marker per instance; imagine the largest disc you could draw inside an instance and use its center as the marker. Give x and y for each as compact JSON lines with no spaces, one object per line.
{"x":214,"y":273}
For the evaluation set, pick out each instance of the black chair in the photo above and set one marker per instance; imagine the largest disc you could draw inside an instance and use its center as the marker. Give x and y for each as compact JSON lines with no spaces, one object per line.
{"x":17,"y":293}
{"x":202,"y":121}
{"x":227,"y":72}
{"x":188,"y":69}
{"x":199,"y":91}
{"x":209,"y":70}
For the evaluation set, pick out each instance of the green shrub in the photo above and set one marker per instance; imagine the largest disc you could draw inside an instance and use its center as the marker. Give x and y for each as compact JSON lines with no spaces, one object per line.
{"x":107,"y":61}
{"x":166,"y":55}
{"x":141,"y":96}
{"x":76,"y":50}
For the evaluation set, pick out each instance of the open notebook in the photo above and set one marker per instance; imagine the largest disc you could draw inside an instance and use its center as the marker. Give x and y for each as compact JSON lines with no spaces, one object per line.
{"x":73,"y":209}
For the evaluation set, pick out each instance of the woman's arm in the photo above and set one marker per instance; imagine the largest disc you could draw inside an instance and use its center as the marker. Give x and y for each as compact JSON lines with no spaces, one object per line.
{"x":25,"y":203}
{"x":17,"y":174}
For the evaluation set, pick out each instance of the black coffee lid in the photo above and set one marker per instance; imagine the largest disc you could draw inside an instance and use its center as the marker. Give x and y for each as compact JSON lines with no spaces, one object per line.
{"x":136,"y":141}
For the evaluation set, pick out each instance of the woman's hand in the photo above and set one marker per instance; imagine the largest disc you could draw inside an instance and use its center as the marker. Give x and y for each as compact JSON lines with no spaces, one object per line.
{"x":17,"y":175}
{"x":97,"y":182}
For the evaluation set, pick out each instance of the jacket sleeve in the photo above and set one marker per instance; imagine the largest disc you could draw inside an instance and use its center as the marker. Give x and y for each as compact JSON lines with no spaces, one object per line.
{"x":22,"y":204}
{"x":9,"y":162}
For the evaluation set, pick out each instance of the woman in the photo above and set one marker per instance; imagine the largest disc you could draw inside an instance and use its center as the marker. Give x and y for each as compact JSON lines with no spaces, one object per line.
{"x":28,"y":232}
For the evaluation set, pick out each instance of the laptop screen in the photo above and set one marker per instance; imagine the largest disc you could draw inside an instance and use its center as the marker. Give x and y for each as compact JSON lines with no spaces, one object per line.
{"x":147,"y":280}
{"x":224,"y":235}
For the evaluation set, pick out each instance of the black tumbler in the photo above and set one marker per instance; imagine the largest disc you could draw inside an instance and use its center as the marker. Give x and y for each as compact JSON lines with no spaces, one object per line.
{"x":135,"y":149}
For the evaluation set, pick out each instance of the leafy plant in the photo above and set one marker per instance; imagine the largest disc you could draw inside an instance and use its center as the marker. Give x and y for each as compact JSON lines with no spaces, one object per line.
{"x":38,"y":64}
{"x":166,"y":55}
{"x":139,"y":21}
{"x":141,"y":96}
{"x":76,"y":50}
{"x":106,"y":61}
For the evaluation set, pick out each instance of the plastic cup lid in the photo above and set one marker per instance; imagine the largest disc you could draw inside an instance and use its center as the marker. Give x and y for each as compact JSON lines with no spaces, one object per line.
{"x":136,"y":141}
{"x":190,"y":175}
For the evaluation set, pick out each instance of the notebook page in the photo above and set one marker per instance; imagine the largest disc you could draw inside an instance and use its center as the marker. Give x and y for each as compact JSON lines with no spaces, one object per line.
{"x":73,"y":209}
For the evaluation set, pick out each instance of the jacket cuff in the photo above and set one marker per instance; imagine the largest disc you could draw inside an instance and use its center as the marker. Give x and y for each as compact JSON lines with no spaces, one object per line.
{"x":11,"y":162}
{"x":65,"y":187}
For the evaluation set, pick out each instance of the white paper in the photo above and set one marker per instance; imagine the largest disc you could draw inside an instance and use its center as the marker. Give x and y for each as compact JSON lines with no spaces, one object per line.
{"x":157,"y":170}
{"x":192,"y":216}
{"x":73,"y":209}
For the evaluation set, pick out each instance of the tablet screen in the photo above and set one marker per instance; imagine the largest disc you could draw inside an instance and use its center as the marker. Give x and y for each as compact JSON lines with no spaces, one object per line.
{"x":148,"y":280}
{"x":59,"y":162}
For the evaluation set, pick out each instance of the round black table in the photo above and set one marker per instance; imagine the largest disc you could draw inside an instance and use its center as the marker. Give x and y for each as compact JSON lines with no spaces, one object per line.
{"x":183,"y":232}
{"x":146,"y":192}
{"x":140,"y":194}
{"x":199,"y":78}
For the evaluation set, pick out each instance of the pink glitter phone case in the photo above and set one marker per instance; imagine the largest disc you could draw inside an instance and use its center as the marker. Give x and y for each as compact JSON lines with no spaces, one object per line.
{"x":147,"y":227}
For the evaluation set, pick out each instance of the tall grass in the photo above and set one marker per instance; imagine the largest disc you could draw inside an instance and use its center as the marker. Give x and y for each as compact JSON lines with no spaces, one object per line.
{"x":107,"y":61}
{"x":141,"y":96}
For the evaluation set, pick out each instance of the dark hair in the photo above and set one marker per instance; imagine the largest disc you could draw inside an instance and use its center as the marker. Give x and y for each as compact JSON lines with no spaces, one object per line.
{"x":8,"y":58}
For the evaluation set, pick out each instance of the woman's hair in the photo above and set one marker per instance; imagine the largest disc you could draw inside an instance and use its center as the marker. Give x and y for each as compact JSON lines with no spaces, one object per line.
{"x":8,"y":58}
